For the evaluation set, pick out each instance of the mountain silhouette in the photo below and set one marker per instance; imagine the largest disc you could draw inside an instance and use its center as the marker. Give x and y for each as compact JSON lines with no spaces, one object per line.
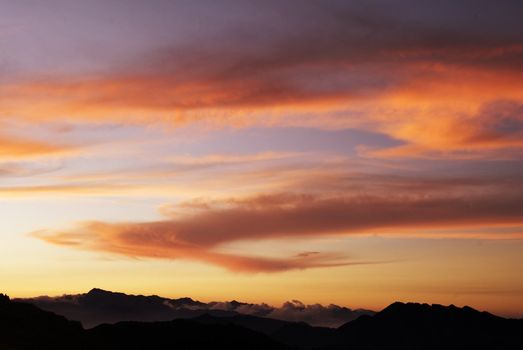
{"x":406,"y":326}
{"x":99,"y":306}
{"x":177,"y":334}
{"x":424,"y":326}
{"x":295,"y":334}
{"x":25,"y":327}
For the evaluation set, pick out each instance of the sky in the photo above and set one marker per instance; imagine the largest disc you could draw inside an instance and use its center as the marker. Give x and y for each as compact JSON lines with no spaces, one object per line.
{"x":348,"y":152}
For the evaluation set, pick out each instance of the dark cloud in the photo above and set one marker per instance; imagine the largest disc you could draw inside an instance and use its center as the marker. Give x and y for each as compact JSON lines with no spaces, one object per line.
{"x":500,"y":120}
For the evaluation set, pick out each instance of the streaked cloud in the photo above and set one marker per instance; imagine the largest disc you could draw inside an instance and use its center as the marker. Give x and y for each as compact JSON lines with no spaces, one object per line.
{"x":13,"y":148}
{"x":371,"y":68}
{"x":110,"y":240}
{"x":197,"y":230}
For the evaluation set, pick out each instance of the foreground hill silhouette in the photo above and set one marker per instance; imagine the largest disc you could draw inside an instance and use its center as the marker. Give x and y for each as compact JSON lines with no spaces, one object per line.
{"x":399,"y":326}
{"x":24,"y":326}
{"x":423,"y":326}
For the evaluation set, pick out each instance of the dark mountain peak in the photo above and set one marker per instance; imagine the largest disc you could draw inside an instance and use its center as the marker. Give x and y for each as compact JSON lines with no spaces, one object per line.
{"x":186,"y":300}
{"x":435,"y":326}
{"x":419,"y":315}
{"x":394,"y":306}
{"x":103,"y":297}
{"x":98,"y":291}
{"x":411,"y":311}
{"x":398,"y":305}
{"x":101,"y":292}
{"x":183,"y":302}
{"x":236,"y":303}
{"x":4,"y":298}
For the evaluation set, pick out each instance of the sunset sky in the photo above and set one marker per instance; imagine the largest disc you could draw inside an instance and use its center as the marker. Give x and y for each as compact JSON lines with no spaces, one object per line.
{"x":348,"y":152}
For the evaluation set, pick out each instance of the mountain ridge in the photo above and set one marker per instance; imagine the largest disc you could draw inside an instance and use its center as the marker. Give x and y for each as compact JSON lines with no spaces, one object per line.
{"x":100,"y":306}
{"x":406,"y":326}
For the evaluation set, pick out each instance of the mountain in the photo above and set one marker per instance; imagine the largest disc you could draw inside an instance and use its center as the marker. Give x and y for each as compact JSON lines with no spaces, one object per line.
{"x":295,"y":334}
{"x":100,"y":306}
{"x":423,"y":326}
{"x":177,"y":334}
{"x":406,"y":326}
{"x":25,"y":327}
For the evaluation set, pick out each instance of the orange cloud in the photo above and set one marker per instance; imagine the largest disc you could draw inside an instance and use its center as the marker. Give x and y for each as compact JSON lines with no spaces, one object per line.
{"x":430,"y":86}
{"x":16,"y":148}
{"x":457,"y":113}
{"x":197,"y":231}
{"x":110,"y":239}
{"x":412,"y":102}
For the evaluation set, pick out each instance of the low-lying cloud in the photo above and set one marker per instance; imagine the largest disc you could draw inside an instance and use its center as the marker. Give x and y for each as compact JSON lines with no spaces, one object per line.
{"x":295,"y":311}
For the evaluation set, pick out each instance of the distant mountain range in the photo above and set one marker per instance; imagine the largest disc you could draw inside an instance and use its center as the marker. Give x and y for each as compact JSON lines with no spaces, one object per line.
{"x":99,"y":306}
{"x":26,"y":327}
{"x":399,"y":326}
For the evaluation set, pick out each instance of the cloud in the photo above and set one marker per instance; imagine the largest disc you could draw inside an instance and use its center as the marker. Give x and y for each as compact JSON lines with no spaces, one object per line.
{"x":290,"y":73}
{"x":200,"y":231}
{"x":316,"y":314}
{"x":25,"y":169}
{"x":109,"y":239}
{"x":188,"y":163}
{"x":294,"y":311}
{"x":261,"y":310}
{"x":77,"y":189}
{"x":166,"y":176}
{"x":377,"y":69}
{"x":494,"y":131}
{"x":12,"y":148}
